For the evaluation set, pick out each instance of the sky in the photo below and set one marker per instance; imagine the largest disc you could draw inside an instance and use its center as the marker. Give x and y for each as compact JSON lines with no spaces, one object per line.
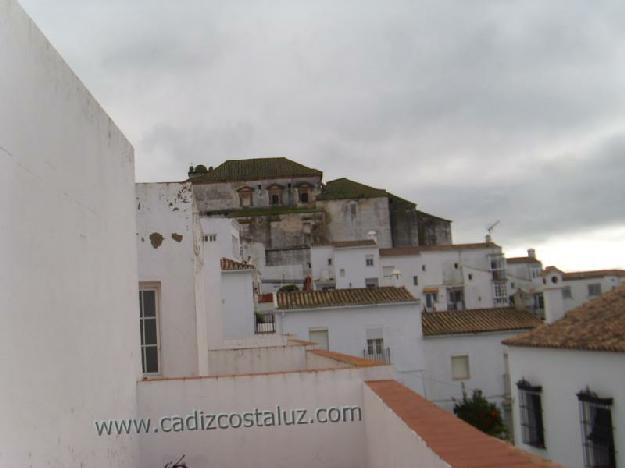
{"x":479,"y":111}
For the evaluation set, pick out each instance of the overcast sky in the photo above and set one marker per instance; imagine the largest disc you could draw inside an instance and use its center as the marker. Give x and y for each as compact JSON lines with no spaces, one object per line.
{"x":476,"y":110}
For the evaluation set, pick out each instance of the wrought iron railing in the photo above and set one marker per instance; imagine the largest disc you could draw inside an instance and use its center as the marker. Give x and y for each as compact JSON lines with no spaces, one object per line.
{"x":384,"y":356}
{"x":264,"y":323}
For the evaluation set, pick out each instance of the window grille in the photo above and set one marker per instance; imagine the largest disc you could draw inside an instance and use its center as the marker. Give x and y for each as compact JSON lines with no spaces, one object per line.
{"x":531,"y":412}
{"x":595,"y":415}
{"x":594,"y":289}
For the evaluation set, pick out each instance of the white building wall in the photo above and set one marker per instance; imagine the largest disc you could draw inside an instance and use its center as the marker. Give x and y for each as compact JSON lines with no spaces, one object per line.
{"x":390,"y":443}
{"x":347,"y":333}
{"x":579,"y":289}
{"x":69,"y":341}
{"x":238,"y":303}
{"x":473,"y":273}
{"x":486,"y":366}
{"x":352,"y":261}
{"x":338,"y":445}
{"x":562,"y":374}
{"x":166,"y":257}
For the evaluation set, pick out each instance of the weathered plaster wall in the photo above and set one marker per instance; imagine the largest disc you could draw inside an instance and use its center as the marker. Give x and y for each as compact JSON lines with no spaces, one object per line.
{"x":224,"y":195}
{"x":354,"y":219}
{"x":69,"y":341}
{"x":165,"y":212}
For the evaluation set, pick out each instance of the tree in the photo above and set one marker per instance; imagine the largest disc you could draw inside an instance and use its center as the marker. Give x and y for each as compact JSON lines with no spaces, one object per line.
{"x":288,"y":288}
{"x":480,"y":413}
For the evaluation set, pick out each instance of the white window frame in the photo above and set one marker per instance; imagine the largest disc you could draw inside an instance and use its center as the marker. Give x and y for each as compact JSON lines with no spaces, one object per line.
{"x":369,"y":261}
{"x":156,"y":287}
{"x":464,"y":357}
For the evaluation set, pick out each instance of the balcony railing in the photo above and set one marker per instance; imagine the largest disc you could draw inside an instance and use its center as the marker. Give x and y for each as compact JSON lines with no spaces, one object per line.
{"x":384,"y":356}
{"x":264,"y":323}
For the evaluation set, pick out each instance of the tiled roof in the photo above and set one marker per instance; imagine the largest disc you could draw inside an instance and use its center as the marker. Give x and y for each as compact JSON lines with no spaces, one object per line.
{"x":578,"y":275}
{"x":227,"y":264}
{"x":406,"y":251}
{"x":342,"y":297}
{"x":348,"y":189}
{"x":513,"y":260}
{"x":255,"y":169}
{"x":456,"y":442}
{"x":353,"y":361}
{"x":597,"y":325}
{"x":477,"y":321}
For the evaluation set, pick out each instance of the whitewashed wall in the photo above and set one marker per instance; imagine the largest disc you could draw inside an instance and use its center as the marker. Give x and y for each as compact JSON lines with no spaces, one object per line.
{"x":390,"y":442}
{"x":69,"y":341}
{"x":440,"y":272}
{"x":238,"y":303}
{"x":165,"y":240}
{"x":339,"y":445}
{"x":562,"y":374}
{"x":579,"y":289}
{"x":347,"y":333}
{"x":486,"y":366}
{"x":352,"y":260}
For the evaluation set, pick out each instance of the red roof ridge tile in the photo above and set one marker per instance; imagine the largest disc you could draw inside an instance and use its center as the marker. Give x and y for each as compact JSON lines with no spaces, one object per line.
{"x":455,"y":441}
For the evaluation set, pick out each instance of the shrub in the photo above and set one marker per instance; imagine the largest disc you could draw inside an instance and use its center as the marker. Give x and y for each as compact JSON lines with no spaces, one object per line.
{"x":480,"y":413}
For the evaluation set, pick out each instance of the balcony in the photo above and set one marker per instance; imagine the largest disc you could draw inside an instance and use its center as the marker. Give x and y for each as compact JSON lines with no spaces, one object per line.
{"x":264,"y":323}
{"x":383,"y":356}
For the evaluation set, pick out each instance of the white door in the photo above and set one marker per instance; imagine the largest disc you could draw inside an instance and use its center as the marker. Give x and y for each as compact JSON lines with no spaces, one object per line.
{"x":319,"y":336}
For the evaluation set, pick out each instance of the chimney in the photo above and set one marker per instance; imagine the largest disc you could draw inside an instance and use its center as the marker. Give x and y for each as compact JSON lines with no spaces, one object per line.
{"x":488,"y":238}
{"x":552,"y":294}
{"x":531,"y":253}
{"x":373,"y":235}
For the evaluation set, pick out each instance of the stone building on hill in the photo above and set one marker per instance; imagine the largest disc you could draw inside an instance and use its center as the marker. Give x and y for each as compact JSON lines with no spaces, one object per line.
{"x":283,"y":208}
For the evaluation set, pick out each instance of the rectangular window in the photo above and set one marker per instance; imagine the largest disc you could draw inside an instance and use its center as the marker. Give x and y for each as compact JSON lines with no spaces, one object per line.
{"x":597,"y":432}
{"x":531,"y":412}
{"x":415,"y":280}
{"x":566,"y":292}
{"x":387,"y":271}
{"x":431,"y":298}
{"x":422,"y":267}
{"x":371,"y":282}
{"x":594,"y":289}
{"x":369,"y":260}
{"x":342,"y":272}
{"x":329,"y":261}
{"x":303,"y":196}
{"x":148,"y":328}
{"x":319,"y":336}
{"x":460,"y":367}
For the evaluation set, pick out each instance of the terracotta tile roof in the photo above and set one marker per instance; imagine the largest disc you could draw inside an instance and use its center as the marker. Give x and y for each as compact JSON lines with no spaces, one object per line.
{"x":456,"y":442}
{"x":348,"y":189}
{"x":227,"y":264}
{"x":415,"y":250}
{"x":597,"y":325}
{"x":578,"y":275}
{"x":255,"y":169}
{"x":516,"y":260}
{"x":347,"y":358}
{"x":477,"y":321}
{"x":342,"y":297}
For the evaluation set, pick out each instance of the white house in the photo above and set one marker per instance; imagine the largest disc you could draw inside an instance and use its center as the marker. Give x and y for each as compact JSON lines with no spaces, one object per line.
{"x":568,"y":377}
{"x":349,"y":264}
{"x":582,"y":286}
{"x":449,"y":277}
{"x":525,"y":281}
{"x":463,"y":352}
{"x":376,"y":323}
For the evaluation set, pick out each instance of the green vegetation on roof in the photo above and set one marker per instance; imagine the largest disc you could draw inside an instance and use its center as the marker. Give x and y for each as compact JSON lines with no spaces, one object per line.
{"x":343,"y":188}
{"x":254,"y":169}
